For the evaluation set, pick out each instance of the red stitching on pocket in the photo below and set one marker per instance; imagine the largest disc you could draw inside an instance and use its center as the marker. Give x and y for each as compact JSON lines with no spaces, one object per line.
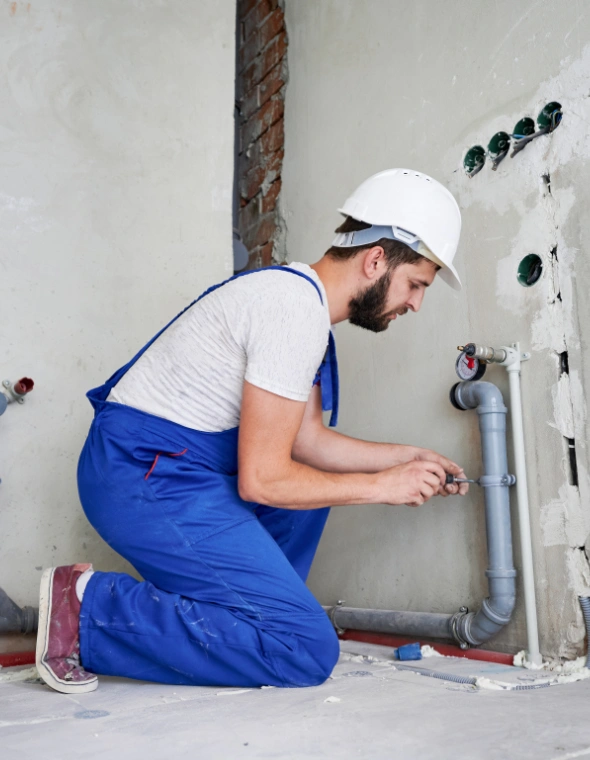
{"x":169,"y":454}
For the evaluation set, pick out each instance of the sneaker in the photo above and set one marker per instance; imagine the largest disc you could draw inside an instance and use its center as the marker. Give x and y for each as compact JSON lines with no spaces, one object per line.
{"x":58,"y":642}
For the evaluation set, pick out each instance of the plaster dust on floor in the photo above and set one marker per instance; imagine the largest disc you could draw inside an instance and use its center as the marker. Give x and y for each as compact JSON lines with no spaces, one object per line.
{"x":368,"y":709}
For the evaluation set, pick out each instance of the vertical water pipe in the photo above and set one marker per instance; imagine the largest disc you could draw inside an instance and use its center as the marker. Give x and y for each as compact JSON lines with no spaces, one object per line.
{"x":512,"y":363}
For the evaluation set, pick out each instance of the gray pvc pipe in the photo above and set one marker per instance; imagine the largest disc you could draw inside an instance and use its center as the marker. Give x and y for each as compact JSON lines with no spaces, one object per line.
{"x":430,"y":624}
{"x":13,"y":619}
{"x":466,"y":628}
{"x":496,"y":610}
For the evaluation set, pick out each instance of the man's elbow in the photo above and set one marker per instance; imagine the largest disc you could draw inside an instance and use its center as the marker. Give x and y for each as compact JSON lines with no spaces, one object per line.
{"x":249,"y":489}
{"x":267,"y":487}
{"x":260,"y":490}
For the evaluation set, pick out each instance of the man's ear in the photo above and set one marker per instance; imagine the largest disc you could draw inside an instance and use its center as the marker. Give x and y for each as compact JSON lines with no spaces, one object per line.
{"x":374,"y":263}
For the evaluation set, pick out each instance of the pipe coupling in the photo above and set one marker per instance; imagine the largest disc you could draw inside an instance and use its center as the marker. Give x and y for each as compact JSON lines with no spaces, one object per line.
{"x":30,"y":620}
{"x":457,"y":625}
{"x":495,"y":481}
{"x":501,"y":573}
{"x":485,"y":353}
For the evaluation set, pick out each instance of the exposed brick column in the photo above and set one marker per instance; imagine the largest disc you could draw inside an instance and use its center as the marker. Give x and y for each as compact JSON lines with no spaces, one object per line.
{"x":260,"y":84}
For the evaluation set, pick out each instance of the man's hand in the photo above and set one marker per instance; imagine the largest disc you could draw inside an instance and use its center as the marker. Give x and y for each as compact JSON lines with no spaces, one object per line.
{"x":412,"y":483}
{"x":426,"y":455}
{"x":325,"y":468}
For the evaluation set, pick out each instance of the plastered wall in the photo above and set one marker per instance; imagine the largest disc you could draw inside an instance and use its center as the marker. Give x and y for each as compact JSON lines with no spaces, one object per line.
{"x":385,"y":84}
{"x":116,"y":165}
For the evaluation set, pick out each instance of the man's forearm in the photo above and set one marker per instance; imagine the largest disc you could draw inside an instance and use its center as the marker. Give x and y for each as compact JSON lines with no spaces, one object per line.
{"x":300,"y":486}
{"x":333,"y":452}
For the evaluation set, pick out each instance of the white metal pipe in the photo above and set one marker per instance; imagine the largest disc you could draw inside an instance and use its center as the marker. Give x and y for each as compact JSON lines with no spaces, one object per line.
{"x":512,"y":364}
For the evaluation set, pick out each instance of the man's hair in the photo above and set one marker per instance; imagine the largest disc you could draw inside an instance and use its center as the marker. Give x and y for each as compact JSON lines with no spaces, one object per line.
{"x":396,"y":252}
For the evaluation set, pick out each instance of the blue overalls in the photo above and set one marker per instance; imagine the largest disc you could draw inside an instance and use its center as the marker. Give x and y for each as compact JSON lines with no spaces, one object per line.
{"x":224,"y":601}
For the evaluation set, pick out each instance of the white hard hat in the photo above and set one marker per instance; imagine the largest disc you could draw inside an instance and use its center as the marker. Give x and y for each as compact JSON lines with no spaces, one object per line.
{"x":411,"y":207}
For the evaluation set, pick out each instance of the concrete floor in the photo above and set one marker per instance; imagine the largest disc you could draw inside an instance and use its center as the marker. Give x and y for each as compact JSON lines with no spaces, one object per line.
{"x":366,"y":710}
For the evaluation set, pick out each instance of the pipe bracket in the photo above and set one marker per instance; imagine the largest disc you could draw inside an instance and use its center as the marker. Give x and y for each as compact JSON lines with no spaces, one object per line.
{"x":456,"y":621}
{"x":332,"y":616}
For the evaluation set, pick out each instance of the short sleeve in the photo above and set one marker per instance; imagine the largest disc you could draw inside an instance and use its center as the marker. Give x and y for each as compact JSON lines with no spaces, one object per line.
{"x":287,"y":338}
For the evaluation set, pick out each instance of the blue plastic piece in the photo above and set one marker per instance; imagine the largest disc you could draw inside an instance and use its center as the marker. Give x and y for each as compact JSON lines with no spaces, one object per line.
{"x":3,"y":403}
{"x":409,"y":652}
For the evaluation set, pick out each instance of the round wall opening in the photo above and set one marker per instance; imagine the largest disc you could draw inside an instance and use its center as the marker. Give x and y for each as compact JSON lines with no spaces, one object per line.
{"x":550,"y":117}
{"x":474,"y":160}
{"x":530,"y":270}
{"x":523,"y":128}
{"x":498,"y":145}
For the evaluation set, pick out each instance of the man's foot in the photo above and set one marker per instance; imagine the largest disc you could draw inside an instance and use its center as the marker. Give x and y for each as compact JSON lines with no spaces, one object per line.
{"x":58,"y":642}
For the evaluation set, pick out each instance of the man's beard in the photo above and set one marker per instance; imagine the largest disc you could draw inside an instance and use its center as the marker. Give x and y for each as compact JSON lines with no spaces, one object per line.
{"x":367,"y":309}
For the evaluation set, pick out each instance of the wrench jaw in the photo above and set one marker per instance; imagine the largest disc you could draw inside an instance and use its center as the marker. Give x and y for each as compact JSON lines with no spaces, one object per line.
{"x":451,"y":480}
{"x":486,"y":481}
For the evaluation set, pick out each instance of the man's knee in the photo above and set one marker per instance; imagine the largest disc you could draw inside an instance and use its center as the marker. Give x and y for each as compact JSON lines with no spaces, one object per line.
{"x":311,"y":661}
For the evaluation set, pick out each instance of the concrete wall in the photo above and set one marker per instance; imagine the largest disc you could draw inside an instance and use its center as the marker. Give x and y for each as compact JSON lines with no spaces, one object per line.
{"x":384,"y":84}
{"x":116,"y":165}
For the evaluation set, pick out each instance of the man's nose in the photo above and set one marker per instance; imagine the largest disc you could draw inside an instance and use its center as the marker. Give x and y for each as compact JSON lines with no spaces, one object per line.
{"x":415,"y":301}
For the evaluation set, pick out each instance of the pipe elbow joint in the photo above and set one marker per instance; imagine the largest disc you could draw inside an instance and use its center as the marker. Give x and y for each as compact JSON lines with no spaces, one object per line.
{"x":485,"y":397}
{"x":475,"y":628}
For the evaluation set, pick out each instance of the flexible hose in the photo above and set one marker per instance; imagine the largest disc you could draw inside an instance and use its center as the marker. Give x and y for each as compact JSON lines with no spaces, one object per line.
{"x":437,"y":674}
{"x":585,"y":604}
{"x":470,"y":679}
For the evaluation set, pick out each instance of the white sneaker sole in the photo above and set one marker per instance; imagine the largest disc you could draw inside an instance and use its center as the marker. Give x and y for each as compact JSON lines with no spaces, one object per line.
{"x":59,"y":684}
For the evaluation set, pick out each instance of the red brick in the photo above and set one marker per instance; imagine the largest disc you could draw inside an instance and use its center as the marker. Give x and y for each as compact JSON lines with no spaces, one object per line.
{"x":270,"y":164}
{"x":251,"y":182}
{"x":273,"y":139}
{"x":261,"y":121}
{"x":266,"y":228}
{"x":249,"y":215}
{"x":260,"y":233}
{"x":252,"y":261}
{"x":245,"y":6}
{"x":259,"y":177}
{"x":249,"y":158}
{"x":248,"y":51}
{"x":251,"y":74}
{"x":262,"y":64}
{"x":269,"y":201}
{"x":260,"y":83}
{"x":257,"y":15}
{"x":265,"y":254}
{"x":271,"y":27}
{"x":273,"y":53}
{"x":271,"y":83}
{"x":249,"y":104}
{"x":273,"y":165}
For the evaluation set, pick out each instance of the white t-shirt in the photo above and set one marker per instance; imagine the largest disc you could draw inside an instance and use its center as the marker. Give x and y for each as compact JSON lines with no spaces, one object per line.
{"x":269,"y":328}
